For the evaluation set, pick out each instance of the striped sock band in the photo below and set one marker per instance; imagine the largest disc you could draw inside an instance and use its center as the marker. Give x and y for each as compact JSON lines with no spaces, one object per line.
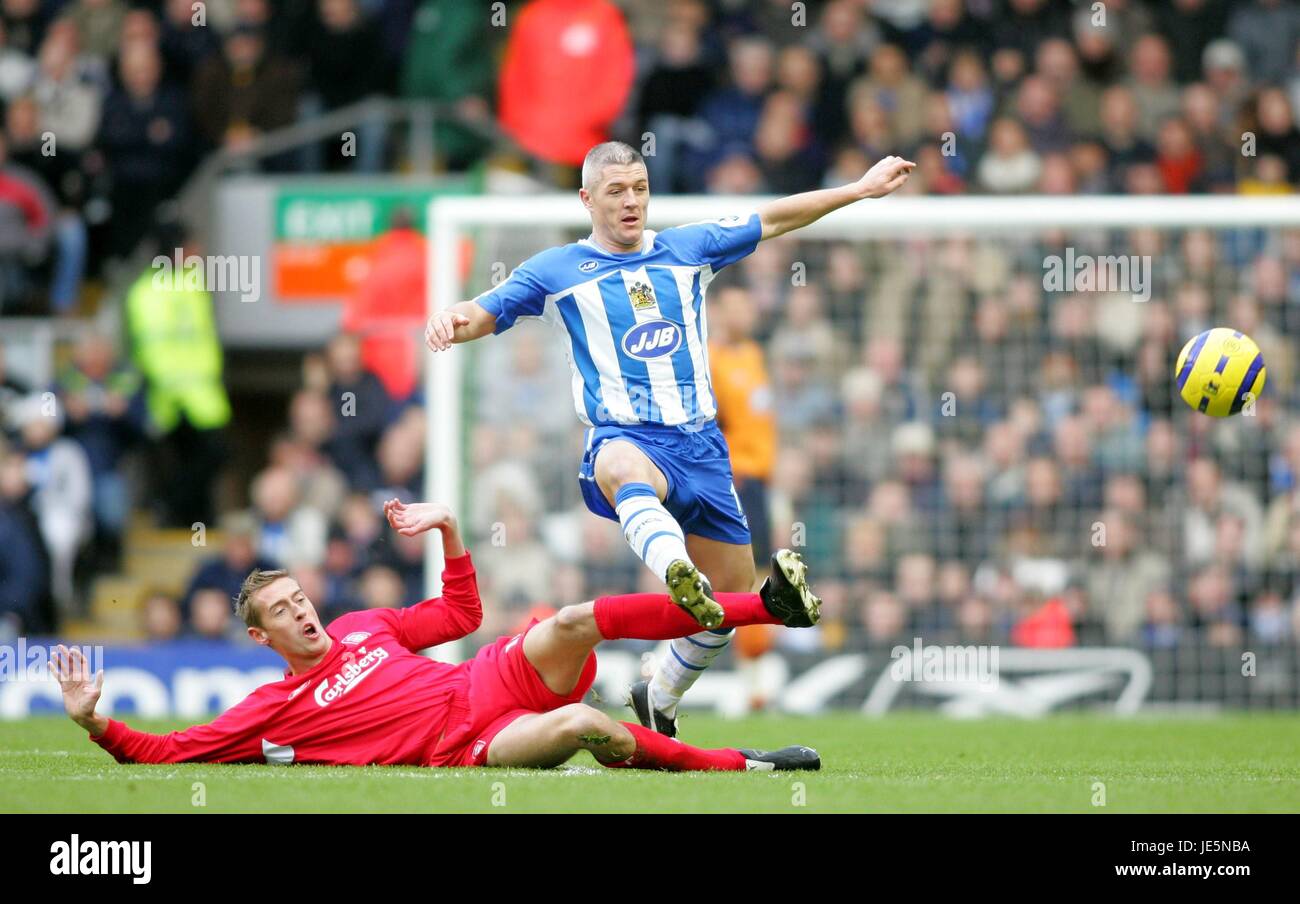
{"x":653,"y":534}
{"x":687,"y":659}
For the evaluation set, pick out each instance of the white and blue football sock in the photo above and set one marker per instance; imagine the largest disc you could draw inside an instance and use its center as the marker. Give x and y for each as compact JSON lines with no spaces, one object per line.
{"x":654,"y":535}
{"x":657,"y":538}
{"x":687,"y":659}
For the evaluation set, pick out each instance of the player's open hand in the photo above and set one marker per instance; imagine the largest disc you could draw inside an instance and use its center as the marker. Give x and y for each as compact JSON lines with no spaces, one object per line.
{"x":886,"y":176}
{"x":418,"y":517}
{"x":440,"y":331}
{"x":81,"y":690}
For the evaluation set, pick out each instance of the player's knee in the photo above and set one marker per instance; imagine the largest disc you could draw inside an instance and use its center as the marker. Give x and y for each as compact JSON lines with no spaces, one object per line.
{"x":576,"y":621}
{"x":597,"y":732}
{"x":615,"y":470}
{"x":583,"y":722}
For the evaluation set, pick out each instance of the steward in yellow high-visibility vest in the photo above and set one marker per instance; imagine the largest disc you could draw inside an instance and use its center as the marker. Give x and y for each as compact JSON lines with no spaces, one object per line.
{"x":173,"y":334}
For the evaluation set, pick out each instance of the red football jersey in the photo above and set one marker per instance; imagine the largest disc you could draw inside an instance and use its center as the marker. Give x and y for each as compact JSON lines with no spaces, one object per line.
{"x":372,"y":699}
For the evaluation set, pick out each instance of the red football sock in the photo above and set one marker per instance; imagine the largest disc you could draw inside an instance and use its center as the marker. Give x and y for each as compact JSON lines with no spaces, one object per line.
{"x":654,"y":616}
{"x":654,"y":751}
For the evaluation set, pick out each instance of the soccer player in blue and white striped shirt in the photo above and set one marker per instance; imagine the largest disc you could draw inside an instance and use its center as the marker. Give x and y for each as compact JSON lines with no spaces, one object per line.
{"x":628,"y":304}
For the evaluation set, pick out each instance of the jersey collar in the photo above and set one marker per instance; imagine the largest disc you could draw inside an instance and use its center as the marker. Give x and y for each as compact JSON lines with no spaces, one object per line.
{"x":647,"y":245}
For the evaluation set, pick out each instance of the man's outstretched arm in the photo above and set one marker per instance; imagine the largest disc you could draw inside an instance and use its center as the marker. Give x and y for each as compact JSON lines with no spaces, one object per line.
{"x":232,"y":738}
{"x":459,"y":611}
{"x":463,"y":322}
{"x":796,"y":211}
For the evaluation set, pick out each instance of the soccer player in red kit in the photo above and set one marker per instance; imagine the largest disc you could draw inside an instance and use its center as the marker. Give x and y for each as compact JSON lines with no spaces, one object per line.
{"x":358,"y":692}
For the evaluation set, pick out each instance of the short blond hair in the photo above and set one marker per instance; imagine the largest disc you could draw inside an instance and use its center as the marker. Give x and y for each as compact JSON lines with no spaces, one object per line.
{"x":610,"y":153}
{"x":256,"y":580}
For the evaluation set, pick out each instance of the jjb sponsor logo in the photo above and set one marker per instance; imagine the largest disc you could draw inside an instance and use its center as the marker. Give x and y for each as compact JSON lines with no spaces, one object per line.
{"x":652,"y":339}
{"x":353,"y":673}
{"x":588,"y":266}
{"x":103,"y":858}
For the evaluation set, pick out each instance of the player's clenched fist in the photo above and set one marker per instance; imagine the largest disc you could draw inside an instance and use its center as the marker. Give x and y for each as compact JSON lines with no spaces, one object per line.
{"x":887,"y":175}
{"x":440,"y":332}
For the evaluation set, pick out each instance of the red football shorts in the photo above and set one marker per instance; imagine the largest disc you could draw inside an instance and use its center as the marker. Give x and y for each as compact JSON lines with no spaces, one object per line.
{"x":503,"y":685}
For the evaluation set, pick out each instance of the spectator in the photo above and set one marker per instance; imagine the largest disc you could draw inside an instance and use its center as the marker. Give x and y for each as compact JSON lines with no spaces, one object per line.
{"x":388,"y":309}
{"x":98,"y":22}
{"x":145,"y":138}
{"x":1152,"y":88}
{"x":1189,"y":26}
{"x":175,"y":347}
{"x":345,"y":64}
{"x":186,"y":43}
{"x":970,"y":99}
{"x":24,"y":573}
{"x":731,"y":114}
{"x":1269,"y":32}
{"x":212,"y":617}
{"x":27,"y":212}
{"x":447,"y":60}
{"x":12,"y":391}
{"x":226,"y":572}
{"x":744,"y":397}
{"x":844,"y":40}
{"x":895,"y":90}
{"x":69,"y":102}
{"x":668,"y":100}
{"x":160,"y":618}
{"x":244,"y":92}
{"x":289,"y":529}
{"x":62,"y":495}
{"x":63,"y":173}
{"x":1277,"y":134}
{"x":1010,"y":165}
{"x":17,"y":67}
{"x":101,"y":398}
{"x":364,"y":409}
{"x":1179,"y":161}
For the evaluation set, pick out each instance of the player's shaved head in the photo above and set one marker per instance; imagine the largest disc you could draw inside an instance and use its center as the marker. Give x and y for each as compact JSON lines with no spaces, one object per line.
{"x":610,"y":153}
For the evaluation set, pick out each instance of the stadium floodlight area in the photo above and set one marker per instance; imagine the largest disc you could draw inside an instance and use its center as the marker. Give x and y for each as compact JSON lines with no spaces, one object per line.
{"x":942,"y":257}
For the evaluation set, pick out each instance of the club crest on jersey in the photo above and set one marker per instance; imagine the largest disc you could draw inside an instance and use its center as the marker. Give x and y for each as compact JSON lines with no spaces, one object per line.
{"x":588,"y":266}
{"x":642,"y":295}
{"x":652,"y":339}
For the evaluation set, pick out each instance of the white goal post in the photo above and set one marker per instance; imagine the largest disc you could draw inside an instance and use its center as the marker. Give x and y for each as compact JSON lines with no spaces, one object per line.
{"x":450,"y":217}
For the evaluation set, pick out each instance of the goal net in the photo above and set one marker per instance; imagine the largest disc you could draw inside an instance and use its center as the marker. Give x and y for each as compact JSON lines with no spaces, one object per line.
{"x":978,"y":439}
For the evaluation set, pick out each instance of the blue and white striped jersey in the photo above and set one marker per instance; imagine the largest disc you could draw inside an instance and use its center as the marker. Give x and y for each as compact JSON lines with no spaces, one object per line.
{"x":634,"y":324}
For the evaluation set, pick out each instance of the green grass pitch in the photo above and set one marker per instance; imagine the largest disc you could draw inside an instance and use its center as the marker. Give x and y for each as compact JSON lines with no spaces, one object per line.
{"x":904,"y":763}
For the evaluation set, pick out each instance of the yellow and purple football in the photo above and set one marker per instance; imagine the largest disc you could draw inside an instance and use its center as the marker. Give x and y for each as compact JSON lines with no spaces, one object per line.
{"x":1220,"y":371}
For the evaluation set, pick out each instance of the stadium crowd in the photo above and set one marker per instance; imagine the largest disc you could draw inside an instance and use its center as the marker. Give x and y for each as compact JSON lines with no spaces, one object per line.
{"x":109,"y":104}
{"x":958,"y":452}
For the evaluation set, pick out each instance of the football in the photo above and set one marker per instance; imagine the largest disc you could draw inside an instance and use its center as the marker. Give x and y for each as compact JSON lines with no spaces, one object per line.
{"x":1220,"y":371}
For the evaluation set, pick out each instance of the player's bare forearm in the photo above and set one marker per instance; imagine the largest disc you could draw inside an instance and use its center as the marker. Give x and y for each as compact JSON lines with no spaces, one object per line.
{"x":462,"y":322}
{"x":796,"y":211}
{"x":94,"y":723}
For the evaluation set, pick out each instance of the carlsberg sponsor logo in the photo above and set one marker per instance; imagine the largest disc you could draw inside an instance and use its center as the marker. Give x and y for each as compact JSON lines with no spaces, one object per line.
{"x":350,"y":675}
{"x":103,"y":858}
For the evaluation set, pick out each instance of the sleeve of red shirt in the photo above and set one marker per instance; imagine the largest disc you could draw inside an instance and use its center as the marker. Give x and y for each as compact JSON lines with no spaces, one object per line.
{"x":455,"y":614}
{"x":233,"y":737}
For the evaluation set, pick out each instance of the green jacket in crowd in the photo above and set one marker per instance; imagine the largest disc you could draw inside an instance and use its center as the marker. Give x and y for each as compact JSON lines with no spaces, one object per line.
{"x":448,"y":58}
{"x":173,"y":334}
